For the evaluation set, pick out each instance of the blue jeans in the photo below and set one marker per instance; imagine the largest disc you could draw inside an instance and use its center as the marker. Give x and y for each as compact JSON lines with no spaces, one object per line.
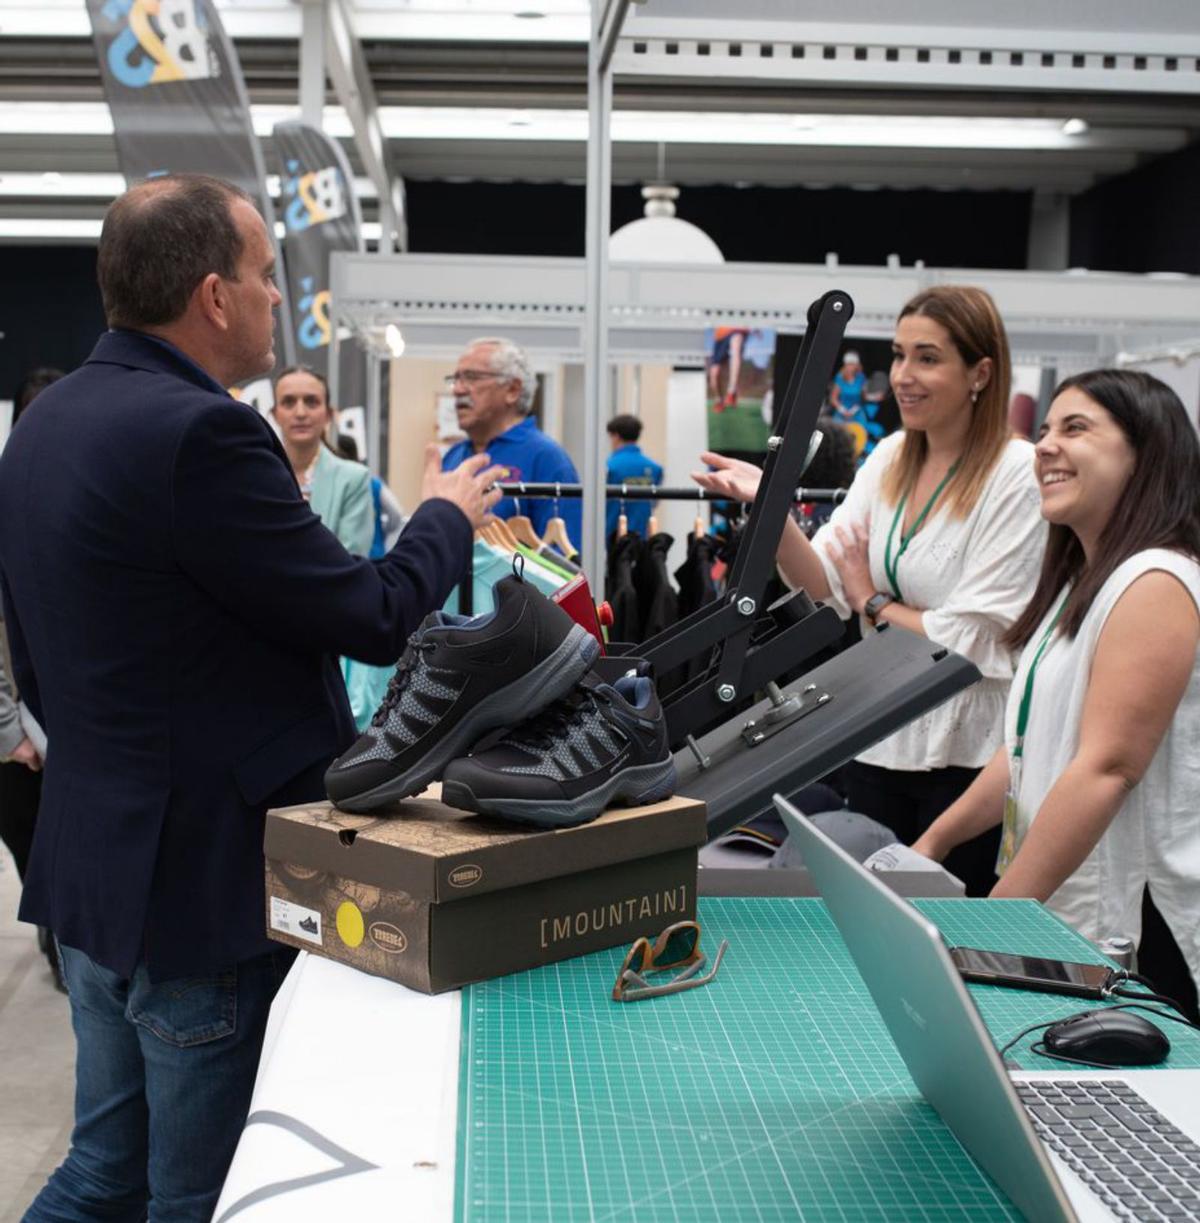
{"x":163,"y":1078}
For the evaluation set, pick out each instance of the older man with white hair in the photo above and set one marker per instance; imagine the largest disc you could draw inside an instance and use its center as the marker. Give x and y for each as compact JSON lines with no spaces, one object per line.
{"x":493,"y":387}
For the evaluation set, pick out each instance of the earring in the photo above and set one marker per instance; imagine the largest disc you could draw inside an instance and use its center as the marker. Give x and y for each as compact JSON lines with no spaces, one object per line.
{"x":974,"y":395}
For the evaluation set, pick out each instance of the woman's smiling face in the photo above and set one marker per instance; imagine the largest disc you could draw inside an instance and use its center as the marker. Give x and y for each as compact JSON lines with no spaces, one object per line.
{"x":1083,"y":461}
{"x":931,"y":381}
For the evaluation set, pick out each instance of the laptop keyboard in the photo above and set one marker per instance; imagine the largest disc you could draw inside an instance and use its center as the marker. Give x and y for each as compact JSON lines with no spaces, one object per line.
{"x":1129,"y":1155}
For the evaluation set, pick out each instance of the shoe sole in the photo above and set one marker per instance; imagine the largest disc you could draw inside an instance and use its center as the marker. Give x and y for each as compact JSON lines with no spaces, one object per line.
{"x":647,"y":783}
{"x":552,"y":678}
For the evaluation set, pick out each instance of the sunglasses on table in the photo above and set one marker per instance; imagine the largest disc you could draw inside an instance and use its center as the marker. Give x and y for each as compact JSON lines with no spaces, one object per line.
{"x":676,"y":949}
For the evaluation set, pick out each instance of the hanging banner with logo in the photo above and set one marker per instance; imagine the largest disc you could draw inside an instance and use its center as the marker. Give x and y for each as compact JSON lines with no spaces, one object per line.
{"x":321,"y":215}
{"x":179,"y":105}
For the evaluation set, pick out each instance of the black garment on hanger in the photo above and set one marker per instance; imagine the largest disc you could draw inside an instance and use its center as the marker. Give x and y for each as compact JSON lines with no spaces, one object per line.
{"x":657,"y":601}
{"x":694,"y":577}
{"x":696,"y":589}
{"x":620,"y":590}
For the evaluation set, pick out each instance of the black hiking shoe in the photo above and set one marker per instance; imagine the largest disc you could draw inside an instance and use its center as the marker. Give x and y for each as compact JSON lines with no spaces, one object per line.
{"x":599,"y":745}
{"x":459,"y":678}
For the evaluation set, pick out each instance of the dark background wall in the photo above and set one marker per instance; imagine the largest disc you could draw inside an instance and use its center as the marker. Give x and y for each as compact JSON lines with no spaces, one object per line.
{"x":1144,"y":221}
{"x":50,"y":312}
{"x":751,"y":224}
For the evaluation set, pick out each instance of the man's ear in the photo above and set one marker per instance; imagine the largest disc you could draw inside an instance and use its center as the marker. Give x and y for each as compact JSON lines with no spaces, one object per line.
{"x":212,"y":300}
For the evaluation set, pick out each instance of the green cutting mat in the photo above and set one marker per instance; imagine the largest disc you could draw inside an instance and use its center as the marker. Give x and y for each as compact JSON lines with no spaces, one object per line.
{"x":773,"y":1093}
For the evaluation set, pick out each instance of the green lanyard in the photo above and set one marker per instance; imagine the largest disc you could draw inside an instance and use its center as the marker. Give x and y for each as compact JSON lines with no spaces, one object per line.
{"x":1027,"y":695}
{"x":891,"y":567}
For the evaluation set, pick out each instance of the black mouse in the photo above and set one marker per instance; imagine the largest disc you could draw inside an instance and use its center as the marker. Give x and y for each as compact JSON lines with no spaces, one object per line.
{"x":1108,"y":1038}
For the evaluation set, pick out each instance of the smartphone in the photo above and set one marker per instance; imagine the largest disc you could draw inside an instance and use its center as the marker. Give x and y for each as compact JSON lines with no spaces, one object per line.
{"x":1032,"y":972}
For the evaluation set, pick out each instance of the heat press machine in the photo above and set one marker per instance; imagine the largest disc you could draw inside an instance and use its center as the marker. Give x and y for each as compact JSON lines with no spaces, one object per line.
{"x":735,"y":757}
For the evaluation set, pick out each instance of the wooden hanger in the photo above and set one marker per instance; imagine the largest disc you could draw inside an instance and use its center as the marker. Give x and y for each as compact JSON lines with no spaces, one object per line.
{"x":556,"y":533}
{"x":488,"y":533}
{"x":699,"y":530}
{"x":522,"y":529}
{"x":652,"y":526}
{"x":504,"y":537}
{"x":622,"y":526}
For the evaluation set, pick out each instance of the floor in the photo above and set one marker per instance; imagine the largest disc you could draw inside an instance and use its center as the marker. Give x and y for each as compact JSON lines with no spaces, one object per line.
{"x":37,"y":1052}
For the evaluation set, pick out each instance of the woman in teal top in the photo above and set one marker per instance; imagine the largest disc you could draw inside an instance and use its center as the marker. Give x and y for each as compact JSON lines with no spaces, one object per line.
{"x":338,"y":490}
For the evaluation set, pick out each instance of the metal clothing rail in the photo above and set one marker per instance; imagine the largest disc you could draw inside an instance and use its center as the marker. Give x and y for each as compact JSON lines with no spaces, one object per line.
{"x":651,"y":492}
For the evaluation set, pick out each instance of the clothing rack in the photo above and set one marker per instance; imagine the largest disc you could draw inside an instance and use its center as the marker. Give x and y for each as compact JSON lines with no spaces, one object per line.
{"x":650,"y":492}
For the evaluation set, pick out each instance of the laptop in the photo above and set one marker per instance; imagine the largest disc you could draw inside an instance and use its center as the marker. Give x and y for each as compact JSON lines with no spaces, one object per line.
{"x":950,"y":1055}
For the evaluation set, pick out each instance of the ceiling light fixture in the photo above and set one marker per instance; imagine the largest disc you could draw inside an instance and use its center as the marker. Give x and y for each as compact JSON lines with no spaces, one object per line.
{"x":1075,"y":127}
{"x":647,"y":127}
{"x":660,"y":236}
{"x":394,"y":340}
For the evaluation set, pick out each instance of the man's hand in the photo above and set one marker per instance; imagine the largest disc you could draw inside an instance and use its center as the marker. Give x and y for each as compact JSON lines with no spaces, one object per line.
{"x":25,"y":753}
{"x":733,"y":478}
{"x":469,"y":486}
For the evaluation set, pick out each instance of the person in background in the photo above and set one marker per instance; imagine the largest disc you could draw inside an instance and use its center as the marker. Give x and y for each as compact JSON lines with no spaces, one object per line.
{"x":832,"y":467}
{"x":174,"y":608}
{"x":337,"y":489}
{"x":728,"y":343}
{"x":1097,"y":784}
{"x":939,"y":534}
{"x":849,"y":385}
{"x":628,"y":465}
{"x":20,"y":757}
{"x":1022,"y":413}
{"x":493,"y":388}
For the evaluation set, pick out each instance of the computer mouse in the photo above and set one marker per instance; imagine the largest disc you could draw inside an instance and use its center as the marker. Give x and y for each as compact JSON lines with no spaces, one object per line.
{"x":1108,"y":1037}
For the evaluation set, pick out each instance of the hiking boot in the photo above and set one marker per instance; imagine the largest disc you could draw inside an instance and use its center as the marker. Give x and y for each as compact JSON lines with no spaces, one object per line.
{"x":599,"y":745}
{"x":459,"y":678}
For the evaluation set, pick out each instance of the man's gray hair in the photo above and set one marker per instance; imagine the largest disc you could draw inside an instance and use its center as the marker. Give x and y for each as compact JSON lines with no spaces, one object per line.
{"x":511,"y":362}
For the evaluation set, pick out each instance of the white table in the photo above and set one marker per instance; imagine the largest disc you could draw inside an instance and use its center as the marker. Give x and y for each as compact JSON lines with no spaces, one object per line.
{"x":375,"y":1139}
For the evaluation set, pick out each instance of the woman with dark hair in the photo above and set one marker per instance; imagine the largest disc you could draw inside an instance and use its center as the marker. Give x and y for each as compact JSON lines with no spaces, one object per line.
{"x":1098,"y":782}
{"x":338,"y":490}
{"x":940,"y":534}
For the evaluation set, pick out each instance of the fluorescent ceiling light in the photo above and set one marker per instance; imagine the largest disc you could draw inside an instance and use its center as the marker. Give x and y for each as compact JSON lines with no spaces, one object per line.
{"x":50,"y":229}
{"x":30,"y":228}
{"x":440,"y":20}
{"x":1075,"y":127}
{"x":108,"y":186}
{"x":631,"y":126}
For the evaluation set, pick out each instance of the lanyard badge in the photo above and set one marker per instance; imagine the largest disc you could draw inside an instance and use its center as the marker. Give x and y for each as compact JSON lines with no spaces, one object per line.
{"x":1008,"y":834}
{"x":1011,"y":831}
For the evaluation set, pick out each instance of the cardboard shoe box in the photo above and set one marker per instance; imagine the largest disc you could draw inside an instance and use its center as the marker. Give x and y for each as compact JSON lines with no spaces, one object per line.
{"x":435,"y":898}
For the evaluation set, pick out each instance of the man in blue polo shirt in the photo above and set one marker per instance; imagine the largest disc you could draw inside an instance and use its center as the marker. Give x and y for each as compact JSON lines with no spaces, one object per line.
{"x":628,"y":465}
{"x":493,"y":389}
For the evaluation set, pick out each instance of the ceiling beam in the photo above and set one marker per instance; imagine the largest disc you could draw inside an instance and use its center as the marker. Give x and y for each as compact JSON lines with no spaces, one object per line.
{"x":353,"y":86}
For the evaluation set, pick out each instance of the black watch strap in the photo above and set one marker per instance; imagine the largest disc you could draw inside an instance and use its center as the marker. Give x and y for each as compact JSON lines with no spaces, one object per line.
{"x":875,"y":604}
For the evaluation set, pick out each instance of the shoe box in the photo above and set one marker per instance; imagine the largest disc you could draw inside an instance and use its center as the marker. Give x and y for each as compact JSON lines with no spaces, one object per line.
{"x":436,"y":898}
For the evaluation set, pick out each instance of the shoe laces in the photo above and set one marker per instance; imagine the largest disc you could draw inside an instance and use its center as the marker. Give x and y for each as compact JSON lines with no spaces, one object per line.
{"x":546,"y":728}
{"x":400,"y":677}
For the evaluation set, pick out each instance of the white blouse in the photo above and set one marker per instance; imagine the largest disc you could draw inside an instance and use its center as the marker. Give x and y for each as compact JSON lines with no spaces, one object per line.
{"x":1155,"y":836}
{"x":972,"y":577}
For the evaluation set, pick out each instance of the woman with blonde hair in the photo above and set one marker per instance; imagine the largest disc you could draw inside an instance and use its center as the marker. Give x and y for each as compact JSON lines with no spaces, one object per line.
{"x":940,"y":534}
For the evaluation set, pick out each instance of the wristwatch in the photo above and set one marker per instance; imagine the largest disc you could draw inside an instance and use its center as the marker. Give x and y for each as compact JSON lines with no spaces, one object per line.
{"x":875,"y":604}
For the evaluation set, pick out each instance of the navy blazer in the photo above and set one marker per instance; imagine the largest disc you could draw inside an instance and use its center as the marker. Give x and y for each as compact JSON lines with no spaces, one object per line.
{"x":174,"y":612}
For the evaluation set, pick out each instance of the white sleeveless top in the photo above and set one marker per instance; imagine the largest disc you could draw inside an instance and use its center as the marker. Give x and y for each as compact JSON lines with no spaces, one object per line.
{"x":971,"y":577}
{"x":1155,"y":837}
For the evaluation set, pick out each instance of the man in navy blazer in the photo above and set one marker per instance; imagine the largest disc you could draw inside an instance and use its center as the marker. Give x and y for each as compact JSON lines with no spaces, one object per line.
{"x":175,"y":612}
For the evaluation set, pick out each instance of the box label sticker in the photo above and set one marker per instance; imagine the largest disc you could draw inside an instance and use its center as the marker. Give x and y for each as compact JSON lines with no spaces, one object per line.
{"x":388,"y":938}
{"x":465,"y":876}
{"x":296,"y":920}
